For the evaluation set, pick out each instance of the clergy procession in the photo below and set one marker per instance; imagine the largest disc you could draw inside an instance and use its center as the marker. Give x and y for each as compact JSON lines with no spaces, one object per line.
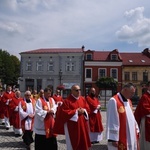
{"x":39,"y":118}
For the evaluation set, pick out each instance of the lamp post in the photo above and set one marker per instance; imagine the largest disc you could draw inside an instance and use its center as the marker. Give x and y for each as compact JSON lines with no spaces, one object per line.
{"x":60,"y":76}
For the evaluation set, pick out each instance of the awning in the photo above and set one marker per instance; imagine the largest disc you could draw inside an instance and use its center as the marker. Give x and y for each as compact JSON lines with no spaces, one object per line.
{"x":61,"y":87}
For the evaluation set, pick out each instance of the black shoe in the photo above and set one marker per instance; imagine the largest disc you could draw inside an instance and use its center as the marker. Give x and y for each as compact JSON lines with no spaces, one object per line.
{"x":18,"y":135}
{"x":7,"y":128}
{"x":96,"y":141}
{"x":3,"y":123}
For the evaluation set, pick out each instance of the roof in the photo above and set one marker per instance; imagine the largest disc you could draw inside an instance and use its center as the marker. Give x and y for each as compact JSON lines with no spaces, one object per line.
{"x":101,"y":55}
{"x":128,"y":59}
{"x":135,"y":59}
{"x":53,"y":50}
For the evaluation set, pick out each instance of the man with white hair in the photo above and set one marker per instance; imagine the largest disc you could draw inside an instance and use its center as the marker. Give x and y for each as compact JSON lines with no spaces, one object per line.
{"x":27,"y":112}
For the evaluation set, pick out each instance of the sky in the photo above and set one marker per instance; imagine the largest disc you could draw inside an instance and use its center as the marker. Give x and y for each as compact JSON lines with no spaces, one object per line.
{"x":97,"y":24}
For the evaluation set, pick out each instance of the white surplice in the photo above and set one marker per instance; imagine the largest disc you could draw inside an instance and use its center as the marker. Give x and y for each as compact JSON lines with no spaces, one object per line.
{"x":113,"y":124}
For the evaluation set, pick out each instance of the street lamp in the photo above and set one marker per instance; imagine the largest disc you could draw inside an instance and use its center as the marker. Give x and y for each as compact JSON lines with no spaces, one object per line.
{"x":60,"y":76}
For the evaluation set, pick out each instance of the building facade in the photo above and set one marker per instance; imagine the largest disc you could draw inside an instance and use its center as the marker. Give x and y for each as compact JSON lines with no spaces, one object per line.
{"x":136,"y":69}
{"x":57,"y":67}
{"x":63,"y":67}
{"x":98,"y":64}
{"x":123,"y":67}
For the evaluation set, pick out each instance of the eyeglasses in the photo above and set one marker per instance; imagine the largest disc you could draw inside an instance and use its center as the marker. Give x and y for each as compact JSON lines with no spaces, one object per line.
{"x":77,"y":90}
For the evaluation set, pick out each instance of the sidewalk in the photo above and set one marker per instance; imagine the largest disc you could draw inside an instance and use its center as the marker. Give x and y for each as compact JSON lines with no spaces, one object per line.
{"x":9,"y":142}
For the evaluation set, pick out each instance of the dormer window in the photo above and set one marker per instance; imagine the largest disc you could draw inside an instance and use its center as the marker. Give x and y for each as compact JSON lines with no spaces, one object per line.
{"x":142,"y":60}
{"x":131,"y":61}
{"x":114,"y":57}
{"x":88,"y":56}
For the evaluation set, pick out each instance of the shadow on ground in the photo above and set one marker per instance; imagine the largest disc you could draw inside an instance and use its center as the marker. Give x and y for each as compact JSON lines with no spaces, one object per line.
{"x":14,"y":144}
{"x":98,"y":147}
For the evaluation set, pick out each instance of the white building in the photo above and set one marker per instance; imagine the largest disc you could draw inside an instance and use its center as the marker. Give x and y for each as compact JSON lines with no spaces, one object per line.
{"x":51,"y":67}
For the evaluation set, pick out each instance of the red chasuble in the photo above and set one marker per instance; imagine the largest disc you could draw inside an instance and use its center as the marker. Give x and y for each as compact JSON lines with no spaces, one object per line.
{"x":78,"y":131}
{"x":57,"y":98}
{"x":6,"y":108}
{"x":1,"y":109}
{"x":15,"y":119}
{"x":95,"y":119}
{"x":143,"y":109}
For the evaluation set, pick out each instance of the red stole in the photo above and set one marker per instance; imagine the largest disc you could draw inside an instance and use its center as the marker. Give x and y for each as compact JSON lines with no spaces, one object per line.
{"x":122,"y":143}
{"x":24,"y":107}
{"x":49,"y":119}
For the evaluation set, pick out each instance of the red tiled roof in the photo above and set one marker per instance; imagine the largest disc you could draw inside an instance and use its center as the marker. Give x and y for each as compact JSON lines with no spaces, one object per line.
{"x":101,"y":55}
{"x":135,"y":59}
{"x":129,"y":59}
{"x":54,"y":50}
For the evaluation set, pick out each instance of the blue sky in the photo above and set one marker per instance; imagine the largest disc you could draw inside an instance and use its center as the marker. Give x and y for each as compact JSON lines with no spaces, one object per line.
{"x":96,"y":24}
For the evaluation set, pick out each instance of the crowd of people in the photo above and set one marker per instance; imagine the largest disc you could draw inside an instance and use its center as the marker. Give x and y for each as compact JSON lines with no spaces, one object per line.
{"x":77,"y":117}
{"x":46,"y":115}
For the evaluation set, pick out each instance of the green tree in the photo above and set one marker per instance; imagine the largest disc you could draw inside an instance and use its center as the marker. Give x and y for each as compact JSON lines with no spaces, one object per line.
{"x":9,"y":68}
{"x":107,"y":83}
{"x":16,"y":64}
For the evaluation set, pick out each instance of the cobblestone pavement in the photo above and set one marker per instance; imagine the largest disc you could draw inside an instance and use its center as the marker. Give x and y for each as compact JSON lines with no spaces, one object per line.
{"x":9,"y":142}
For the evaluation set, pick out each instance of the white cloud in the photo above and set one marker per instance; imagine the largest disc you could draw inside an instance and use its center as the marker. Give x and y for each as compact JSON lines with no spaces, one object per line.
{"x":11,"y":27}
{"x":31,"y":24}
{"x":137,"y":31}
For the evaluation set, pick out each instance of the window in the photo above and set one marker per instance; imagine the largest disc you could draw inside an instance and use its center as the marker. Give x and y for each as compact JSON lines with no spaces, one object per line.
{"x":130,"y":61}
{"x":114,"y":73}
{"x":88,"y":73}
{"x":145,"y":76}
{"x":127,"y":76}
{"x":29,"y":66}
{"x":39,"y":66}
{"x":88,"y":56}
{"x":50,"y":66}
{"x":114,"y":57}
{"x":70,"y":66}
{"x":134,"y":76}
{"x":102,"y":73}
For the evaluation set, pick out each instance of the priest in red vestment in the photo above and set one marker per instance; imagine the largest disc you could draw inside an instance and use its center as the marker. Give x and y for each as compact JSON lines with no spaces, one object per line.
{"x":15,"y":119}
{"x":57,"y":97}
{"x":95,"y":119}
{"x":2,"y":120}
{"x":121,"y":127}
{"x":44,"y":122}
{"x":27,"y":112}
{"x":73,"y":119}
{"x":6,"y":98}
{"x":142,"y":115}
